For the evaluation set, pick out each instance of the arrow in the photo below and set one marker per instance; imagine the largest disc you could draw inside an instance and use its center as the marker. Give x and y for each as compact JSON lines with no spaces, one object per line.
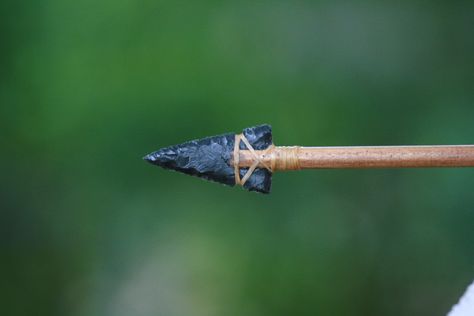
{"x":250,"y":158}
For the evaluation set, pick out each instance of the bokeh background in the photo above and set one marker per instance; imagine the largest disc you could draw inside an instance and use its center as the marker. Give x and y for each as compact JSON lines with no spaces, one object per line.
{"x":89,"y":87}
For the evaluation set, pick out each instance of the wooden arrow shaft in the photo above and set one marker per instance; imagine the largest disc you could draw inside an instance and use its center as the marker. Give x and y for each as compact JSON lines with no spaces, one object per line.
{"x":293,"y":158}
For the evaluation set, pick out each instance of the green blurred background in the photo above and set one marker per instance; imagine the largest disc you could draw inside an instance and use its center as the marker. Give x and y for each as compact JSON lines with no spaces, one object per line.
{"x":88,"y":87}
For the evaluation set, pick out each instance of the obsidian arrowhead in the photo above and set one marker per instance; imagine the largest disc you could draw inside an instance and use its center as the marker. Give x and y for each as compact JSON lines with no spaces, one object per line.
{"x":210,"y":158}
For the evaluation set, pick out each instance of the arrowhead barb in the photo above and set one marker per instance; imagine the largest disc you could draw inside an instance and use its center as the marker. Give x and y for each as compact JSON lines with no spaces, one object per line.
{"x":210,"y":158}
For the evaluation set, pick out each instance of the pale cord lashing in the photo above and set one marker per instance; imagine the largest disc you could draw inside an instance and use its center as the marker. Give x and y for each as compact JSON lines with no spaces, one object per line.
{"x":258,"y":161}
{"x":286,"y":158}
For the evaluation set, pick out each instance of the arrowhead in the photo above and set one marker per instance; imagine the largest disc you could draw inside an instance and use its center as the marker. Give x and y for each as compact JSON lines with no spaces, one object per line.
{"x":210,"y":157}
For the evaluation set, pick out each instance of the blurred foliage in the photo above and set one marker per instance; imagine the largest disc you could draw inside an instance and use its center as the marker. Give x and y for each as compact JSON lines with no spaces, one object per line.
{"x":88,"y":87}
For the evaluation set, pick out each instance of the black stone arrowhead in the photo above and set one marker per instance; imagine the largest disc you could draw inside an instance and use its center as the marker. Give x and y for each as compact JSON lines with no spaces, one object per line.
{"x":209,"y":158}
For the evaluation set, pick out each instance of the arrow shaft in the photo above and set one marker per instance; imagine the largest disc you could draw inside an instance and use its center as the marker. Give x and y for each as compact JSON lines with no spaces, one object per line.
{"x":292,"y":158}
